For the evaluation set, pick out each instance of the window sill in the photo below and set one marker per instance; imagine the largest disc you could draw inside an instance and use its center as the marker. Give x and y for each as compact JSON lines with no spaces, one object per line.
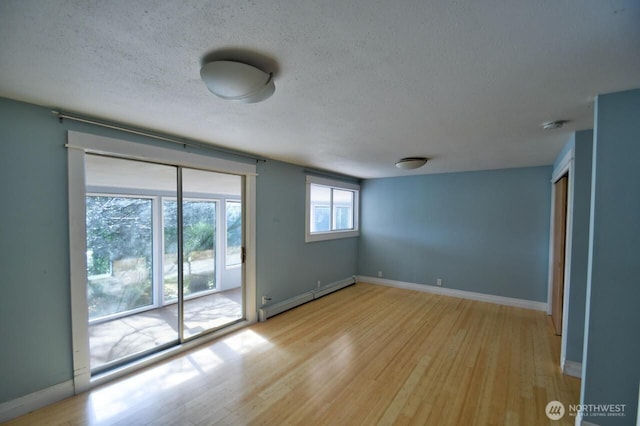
{"x":333,"y":235}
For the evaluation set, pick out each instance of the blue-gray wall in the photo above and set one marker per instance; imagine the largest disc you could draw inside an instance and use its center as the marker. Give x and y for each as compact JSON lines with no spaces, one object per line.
{"x":286,"y":265}
{"x":485,"y":232}
{"x":35,"y":319}
{"x":611,"y":367}
{"x":35,"y":313}
{"x":582,"y":146}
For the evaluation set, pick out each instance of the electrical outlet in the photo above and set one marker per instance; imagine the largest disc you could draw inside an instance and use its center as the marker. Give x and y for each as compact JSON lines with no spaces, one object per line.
{"x":439,"y":282}
{"x":379,"y":274}
{"x":318,"y":284}
{"x":265,"y":300}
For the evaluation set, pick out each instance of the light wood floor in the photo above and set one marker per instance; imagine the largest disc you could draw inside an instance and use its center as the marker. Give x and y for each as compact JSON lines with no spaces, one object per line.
{"x":364,"y":355}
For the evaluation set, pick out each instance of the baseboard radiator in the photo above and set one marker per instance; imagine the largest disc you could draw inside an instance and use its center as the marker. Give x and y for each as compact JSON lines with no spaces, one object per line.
{"x":268,"y":311}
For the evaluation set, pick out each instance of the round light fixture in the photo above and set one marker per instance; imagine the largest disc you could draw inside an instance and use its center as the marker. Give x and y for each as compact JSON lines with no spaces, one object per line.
{"x":237,"y":81}
{"x":410,"y":163}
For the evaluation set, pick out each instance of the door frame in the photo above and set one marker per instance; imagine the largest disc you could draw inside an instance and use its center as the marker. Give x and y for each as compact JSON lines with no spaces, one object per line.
{"x":565,"y":166}
{"x":81,"y":143}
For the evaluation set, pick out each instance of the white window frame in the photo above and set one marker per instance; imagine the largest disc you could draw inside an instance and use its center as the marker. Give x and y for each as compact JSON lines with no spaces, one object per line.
{"x":332,"y":234}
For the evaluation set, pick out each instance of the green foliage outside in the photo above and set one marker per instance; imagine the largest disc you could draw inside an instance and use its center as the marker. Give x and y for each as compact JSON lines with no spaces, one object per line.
{"x":199,"y":240}
{"x":234,"y":232}
{"x":119,"y":259}
{"x":119,"y":251}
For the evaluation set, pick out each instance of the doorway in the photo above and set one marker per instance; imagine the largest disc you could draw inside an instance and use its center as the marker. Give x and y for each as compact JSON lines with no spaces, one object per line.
{"x":559,"y":251}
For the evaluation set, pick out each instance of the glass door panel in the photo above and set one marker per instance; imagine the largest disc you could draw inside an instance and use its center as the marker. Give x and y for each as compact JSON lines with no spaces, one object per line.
{"x":164,"y":256}
{"x":128,"y":317}
{"x":211,"y":299}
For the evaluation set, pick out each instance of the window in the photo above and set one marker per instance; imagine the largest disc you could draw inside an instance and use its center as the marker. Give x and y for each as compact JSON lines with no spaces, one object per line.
{"x":119,"y":254}
{"x":234,"y":233}
{"x":199,"y":243}
{"x":332,"y":209}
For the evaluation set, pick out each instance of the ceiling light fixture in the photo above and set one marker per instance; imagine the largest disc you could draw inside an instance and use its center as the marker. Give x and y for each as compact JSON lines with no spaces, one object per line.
{"x":410,"y":163}
{"x":237,"y":81}
{"x":556,"y":124}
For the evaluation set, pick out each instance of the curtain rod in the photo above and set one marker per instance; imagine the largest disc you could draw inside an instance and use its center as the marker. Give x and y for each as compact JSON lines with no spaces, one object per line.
{"x":201,"y":145}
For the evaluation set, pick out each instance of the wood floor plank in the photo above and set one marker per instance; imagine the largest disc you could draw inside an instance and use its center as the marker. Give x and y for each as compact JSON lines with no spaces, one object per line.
{"x":364,"y":355}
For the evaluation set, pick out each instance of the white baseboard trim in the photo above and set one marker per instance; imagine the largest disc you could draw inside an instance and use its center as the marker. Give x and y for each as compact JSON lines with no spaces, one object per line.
{"x":268,"y":311}
{"x":25,"y":404}
{"x":335,"y":286}
{"x":462,"y":294}
{"x":572,"y":368}
{"x":277,"y":308}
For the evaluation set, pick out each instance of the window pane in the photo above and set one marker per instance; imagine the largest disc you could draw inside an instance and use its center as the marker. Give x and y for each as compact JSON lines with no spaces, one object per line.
{"x":320,"y":211}
{"x":199,"y":227}
{"x":321,"y":218}
{"x":234,"y":232}
{"x":170,"y":264}
{"x":199,"y":246}
{"x":342,"y":209}
{"x":343,"y":218}
{"x":119,"y":254}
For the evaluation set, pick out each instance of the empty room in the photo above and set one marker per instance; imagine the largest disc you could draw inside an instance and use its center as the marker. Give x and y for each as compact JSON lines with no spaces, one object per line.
{"x":319,"y":212}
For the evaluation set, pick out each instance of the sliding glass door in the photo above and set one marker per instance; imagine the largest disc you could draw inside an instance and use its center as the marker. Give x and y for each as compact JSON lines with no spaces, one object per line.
{"x":158,"y":256}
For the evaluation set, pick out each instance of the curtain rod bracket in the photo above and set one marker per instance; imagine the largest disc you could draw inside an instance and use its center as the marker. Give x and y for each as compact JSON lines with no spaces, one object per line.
{"x":58,"y":114}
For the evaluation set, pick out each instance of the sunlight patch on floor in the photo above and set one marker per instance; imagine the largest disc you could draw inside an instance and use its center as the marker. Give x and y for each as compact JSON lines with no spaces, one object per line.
{"x":245,"y":341}
{"x":110,"y":401}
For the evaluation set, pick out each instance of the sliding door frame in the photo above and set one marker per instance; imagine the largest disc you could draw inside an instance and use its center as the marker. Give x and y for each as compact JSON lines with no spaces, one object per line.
{"x":80,"y":144}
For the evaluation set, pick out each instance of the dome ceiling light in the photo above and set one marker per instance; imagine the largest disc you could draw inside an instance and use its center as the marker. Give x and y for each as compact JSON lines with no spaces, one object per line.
{"x":556,"y":124}
{"x":237,"y":81}
{"x":410,"y":163}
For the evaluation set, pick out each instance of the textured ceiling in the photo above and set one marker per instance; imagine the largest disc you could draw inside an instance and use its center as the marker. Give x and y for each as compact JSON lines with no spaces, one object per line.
{"x":359,"y":84}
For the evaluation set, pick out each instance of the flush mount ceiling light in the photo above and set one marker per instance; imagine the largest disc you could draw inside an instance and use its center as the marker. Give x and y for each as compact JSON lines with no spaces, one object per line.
{"x":237,"y":81}
{"x":556,"y":124}
{"x":410,"y":163}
